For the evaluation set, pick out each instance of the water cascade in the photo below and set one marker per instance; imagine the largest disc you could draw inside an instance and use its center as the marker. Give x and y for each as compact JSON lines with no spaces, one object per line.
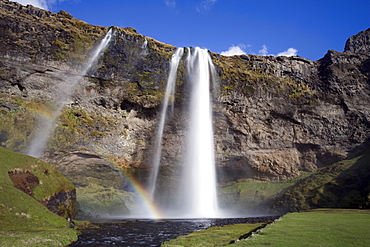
{"x":46,"y":125}
{"x":197,"y":195}
{"x":169,"y":94}
{"x":199,"y":172}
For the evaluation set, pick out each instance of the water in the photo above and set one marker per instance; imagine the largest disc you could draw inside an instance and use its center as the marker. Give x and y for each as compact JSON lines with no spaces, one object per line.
{"x":199,"y":175}
{"x":47,"y":124}
{"x":169,"y":94}
{"x":149,"y":232}
{"x":197,"y":195}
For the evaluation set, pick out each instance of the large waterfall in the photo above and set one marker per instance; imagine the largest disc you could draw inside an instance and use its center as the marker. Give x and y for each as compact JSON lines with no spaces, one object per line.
{"x":199,"y":168}
{"x":197,"y":195}
{"x":46,"y":124}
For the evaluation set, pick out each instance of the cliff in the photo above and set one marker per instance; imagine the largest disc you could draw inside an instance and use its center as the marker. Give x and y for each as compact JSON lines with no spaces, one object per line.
{"x":274,"y":117}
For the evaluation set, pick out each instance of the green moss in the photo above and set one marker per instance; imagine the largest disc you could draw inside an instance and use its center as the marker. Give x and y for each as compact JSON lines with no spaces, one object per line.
{"x":24,"y":221}
{"x":242,"y":76}
{"x":75,"y":125}
{"x":213,"y":236}
{"x":96,"y":200}
{"x":343,"y":184}
{"x":18,"y":124}
{"x":253,"y":194}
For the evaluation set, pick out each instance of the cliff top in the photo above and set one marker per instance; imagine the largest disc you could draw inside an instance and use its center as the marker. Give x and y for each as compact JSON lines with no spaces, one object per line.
{"x":359,"y":43}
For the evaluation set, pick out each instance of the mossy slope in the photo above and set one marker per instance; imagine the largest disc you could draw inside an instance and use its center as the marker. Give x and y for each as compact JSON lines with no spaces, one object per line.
{"x":25,"y":221}
{"x":345,"y":184}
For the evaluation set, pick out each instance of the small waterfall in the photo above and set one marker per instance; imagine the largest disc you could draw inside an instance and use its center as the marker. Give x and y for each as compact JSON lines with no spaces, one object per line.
{"x":47,"y":125}
{"x":169,"y":95}
{"x":144,"y":47}
{"x":199,"y":175}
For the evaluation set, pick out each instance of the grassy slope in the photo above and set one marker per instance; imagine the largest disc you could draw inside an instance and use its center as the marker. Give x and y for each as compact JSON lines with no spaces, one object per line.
{"x":316,"y":228}
{"x":345,"y":184}
{"x":252,"y":195}
{"x":24,"y":221}
{"x":213,"y":236}
{"x":322,"y":227}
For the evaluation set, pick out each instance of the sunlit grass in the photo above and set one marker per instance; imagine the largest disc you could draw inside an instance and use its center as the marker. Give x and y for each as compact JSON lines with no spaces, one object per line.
{"x":213,"y":236}
{"x":316,"y":228}
{"x":320,"y":227}
{"x":23,"y":220}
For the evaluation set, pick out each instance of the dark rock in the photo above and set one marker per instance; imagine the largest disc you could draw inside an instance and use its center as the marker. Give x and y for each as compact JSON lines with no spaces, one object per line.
{"x":24,"y":180}
{"x":359,"y":43}
{"x":274,"y":116}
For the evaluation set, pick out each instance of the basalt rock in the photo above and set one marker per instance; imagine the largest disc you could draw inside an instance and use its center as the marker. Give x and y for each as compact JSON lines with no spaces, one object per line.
{"x":359,"y":43}
{"x":273,"y":116}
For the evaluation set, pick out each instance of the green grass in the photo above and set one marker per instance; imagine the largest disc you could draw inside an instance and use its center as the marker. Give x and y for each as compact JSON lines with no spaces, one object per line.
{"x":320,"y":227}
{"x":255,"y":194}
{"x":213,"y":236}
{"x":96,"y":200}
{"x":23,"y":220}
{"x":344,"y":184}
{"x":316,"y":228}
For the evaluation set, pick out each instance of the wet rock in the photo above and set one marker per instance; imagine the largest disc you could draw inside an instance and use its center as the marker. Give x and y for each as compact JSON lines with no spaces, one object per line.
{"x":84,"y":169}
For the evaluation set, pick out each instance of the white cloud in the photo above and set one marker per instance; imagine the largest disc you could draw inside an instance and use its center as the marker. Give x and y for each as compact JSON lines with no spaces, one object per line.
{"x":205,"y":5}
{"x":170,"y":3}
{"x":234,"y":50}
{"x":42,"y":4}
{"x":263,"y":51}
{"x":288,"y":53}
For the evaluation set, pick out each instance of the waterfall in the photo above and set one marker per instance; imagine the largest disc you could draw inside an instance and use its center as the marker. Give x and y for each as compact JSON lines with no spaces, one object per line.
{"x":197,"y":194}
{"x":46,"y":125}
{"x":169,"y":94}
{"x":144,"y":47}
{"x":199,"y":172}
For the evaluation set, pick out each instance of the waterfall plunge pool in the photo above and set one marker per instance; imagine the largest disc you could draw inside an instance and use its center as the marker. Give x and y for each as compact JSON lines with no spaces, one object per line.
{"x":147,"y":232}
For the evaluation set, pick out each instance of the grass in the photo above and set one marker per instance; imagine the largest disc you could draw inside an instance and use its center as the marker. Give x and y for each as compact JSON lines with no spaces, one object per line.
{"x":96,"y":200}
{"x":24,"y":221}
{"x":320,"y":227}
{"x":344,"y":184}
{"x":254,"y":194}
{"x":213,"y":236}
{"x":323,"y":227}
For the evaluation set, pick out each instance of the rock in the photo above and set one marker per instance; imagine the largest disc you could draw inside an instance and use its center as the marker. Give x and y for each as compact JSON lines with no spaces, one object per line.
{"x":273,"y":116}
{"x":359,"y":43}
{"x":24,"y":180}
{"x":84,"y":169}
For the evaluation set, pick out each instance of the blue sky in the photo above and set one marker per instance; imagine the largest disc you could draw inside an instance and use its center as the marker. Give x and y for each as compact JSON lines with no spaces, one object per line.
{"x":265,"y":27}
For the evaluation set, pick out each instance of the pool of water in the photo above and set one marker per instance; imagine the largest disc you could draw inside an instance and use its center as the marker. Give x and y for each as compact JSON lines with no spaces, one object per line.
{"x":145,"y":232}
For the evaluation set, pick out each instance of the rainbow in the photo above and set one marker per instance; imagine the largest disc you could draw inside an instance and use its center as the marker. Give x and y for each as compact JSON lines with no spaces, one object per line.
{"x":44,"y":113}
{"x":151,"y":210}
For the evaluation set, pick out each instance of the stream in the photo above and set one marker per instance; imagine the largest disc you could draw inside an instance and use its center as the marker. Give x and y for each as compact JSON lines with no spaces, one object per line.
{"x":146,"y":232}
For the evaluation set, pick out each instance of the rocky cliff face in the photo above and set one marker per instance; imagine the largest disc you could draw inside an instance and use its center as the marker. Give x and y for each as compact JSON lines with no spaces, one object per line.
{"x":274,"y":116}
